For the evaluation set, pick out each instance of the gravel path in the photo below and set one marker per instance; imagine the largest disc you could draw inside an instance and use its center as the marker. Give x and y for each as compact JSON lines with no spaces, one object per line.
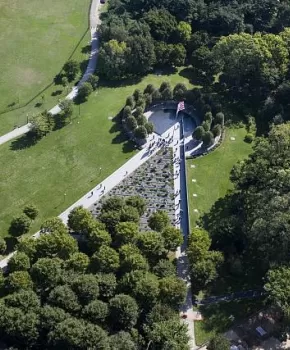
{"x":94,"y":21}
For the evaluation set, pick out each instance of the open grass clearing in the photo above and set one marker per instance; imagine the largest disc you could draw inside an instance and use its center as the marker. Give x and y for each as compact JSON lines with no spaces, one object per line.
{"x":63,"y":166}
{"x":37,"y":38}
{"x":210,"y":173}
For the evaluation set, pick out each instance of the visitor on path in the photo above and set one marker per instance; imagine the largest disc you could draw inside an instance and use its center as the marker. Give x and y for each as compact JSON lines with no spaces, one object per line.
{"x":92,"y":193}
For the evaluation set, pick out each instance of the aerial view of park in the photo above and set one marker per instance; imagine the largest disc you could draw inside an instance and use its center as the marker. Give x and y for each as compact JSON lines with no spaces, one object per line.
{"x":145,"y":175}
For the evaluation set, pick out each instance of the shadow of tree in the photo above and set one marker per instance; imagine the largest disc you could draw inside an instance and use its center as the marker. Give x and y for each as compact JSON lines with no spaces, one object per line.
{"x":10,"y":244}
{"x":119,"y":83}
{"x":56,"y":93}
{"x":195,"y":78}
{"x":25,"y":141}
{"x":86,"y":49}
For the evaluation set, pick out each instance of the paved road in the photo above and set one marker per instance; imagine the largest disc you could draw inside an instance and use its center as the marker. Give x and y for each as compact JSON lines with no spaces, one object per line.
{"x":94,"y":21}
{"x":229,"y":297}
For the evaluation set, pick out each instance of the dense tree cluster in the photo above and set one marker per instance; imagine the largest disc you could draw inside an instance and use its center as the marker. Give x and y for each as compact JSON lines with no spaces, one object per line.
{"x":116,"y":289}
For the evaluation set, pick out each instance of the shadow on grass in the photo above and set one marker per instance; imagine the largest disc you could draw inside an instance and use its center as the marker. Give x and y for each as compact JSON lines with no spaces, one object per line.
{"x":86,"y":49}
{"x":121,"y":136}
{"x":10,"y":244}
{"x":23,"y":142}
{"x":121,"y":83}
{"x":56,"y":93}
{"x":194,"y":78}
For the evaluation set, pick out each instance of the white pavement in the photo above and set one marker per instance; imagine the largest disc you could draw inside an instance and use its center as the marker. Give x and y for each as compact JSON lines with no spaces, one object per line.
{"x":94,"y":21}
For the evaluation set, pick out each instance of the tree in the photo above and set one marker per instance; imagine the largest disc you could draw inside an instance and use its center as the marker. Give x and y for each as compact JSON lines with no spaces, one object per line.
{"x":140,"y":133}
{"x":162,"y":24}
{"x":206,"y":126}
{"x":219,"y":118}
{"x":31,"y":211}
{"x":27,"y":245}
{"x":50,"y":316}
{"x":149,"y":128}
{"x":151,"y":245}
{"x":84,"y":91}
{"x":71,"y":69}
{"x":217,"y":130}
{"x":107,"y":285}
{"x":129,"y":214}
{"x":96,"y":312}
{"x":79,"y":219}
{"x":122,"y":341}
{"x":105,"y":260}
{"x":179,"y":91}
{"x":67,"y":108}
{"x":184,"y":32}
{"x":277,"y":287}
{"x":18,"y":280}
{"x":26,"y":300}
{"x":164,"y":268}
{"x":141,"y":120}
{"x":64,"y":81}
{"x":78,"y":262}
{"x":149,"y":89}
{"x":97,"y":238}
{"x":132,"y":259}
{"x":127,"y":111}
{"x":208,"y":139}
{"x":56,"y":244}
{"x":65,"y":298}
{"x":130,"y":102}
{"x":40,"y":125}
{"x":198,"y":133}
{"x":86,"y":288}
{"x":172,"y":291}
{"x":19,"y":262}
{"x":158,"y":220}
{"x":2,"y":246}
{"x":146,"y":290}
{"x":77,"y":334}
{"x":53,"y":225}
{"x":172,"y":238}
{"x":19,"y":225}
{"x":131,"y":123}
{"x":94,"y":81}
{"x":169,"y":334}
{"x":160,"y":313}
{"x":199,"y":243}
{"x":138,"y":203}
{"x":208,"y":117}
{"x":46,"y":273}
{"x":123,"y":312}
{"x":218,"y":342}
{"x":110,"y":219}
{"x":126,"y":232}
{"x":20,"y":327}
{"x":167,"y":94}
{"x":113,"y":203}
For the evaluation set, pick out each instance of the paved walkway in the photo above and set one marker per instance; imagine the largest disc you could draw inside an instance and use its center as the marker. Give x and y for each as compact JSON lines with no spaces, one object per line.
{"x":94,"y":21}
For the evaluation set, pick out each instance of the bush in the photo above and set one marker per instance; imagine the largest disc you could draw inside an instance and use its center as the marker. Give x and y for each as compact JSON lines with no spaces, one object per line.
{"x":206,"y":126}
{"x":93,"y":80}
{"x":84,"y":91}
{"x":127,"y":112}
{"x":140,"y":133}
{"x":149,"y":127}
{"x":3,"y":246}
{"x":217,"y":130}
{"x":208,"y":139}
{"x":249,"y":138}
{"x":31,"y":211}
{"x":131,"y":123}
{"x":19,"y":225}
{"x":130,"y":101}
{"x":219,"y":118}
{"x":198,"y":133}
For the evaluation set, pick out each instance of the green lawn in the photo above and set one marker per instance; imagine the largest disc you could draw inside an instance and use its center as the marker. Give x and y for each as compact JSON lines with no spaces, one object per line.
{"x":68,"y":160}
{"x":212,"y":172}
{"x":37,"y":38}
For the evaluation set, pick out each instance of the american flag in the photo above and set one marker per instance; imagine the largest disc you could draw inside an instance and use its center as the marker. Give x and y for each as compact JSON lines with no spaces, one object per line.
{"x":180,"y":106}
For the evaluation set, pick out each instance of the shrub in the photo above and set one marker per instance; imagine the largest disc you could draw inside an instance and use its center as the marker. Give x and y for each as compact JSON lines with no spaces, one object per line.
{"x":219,"y":118}
{"x":131,"y":123}
{"x":198,"y":133}
{"x":2,"y":246}
{"x":19,"y":225}
{"x":127,"y":111}
{"x":31,"y":211}
{"x":249,"y":138}
{"x":208,"y":139}
{"x":84,"y":91}
{"x":217,"y":130}
{"x":140,"y":133}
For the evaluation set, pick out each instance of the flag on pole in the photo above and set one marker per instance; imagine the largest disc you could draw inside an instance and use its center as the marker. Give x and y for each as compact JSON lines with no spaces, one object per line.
{"x":180,"y":107}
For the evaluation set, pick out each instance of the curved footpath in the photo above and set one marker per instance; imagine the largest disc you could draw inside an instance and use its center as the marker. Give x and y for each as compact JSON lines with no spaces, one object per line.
{"x":94,"y":21}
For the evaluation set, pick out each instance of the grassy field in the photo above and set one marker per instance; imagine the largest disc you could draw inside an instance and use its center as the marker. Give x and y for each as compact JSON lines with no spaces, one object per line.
{"x":68,"y":160}
{"x":37,"y":38}
{"x":212,"y":171}
{"x":219,"y":318}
